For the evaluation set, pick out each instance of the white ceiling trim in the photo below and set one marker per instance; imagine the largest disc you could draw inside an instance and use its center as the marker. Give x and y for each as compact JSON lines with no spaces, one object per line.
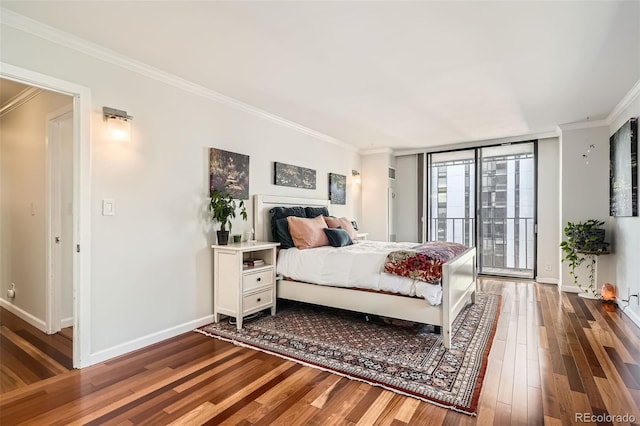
{"x":624,"y":103}
{"x":376,"y":151}
{"x":477,"y":144}
{"x":22,"y":23}
{"x":20,"y":99}
{"x":583,"y":125}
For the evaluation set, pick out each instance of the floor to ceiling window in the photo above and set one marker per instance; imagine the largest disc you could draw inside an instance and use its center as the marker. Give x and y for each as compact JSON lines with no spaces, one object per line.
{"x":486,"y":197}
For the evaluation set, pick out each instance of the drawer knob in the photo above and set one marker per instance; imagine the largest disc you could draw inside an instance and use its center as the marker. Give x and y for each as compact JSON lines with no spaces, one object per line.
{"x":259,"y":279}
{"x":259,"y":299}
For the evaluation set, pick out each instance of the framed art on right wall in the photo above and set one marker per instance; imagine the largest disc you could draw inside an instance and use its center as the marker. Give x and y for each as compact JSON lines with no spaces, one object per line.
{"x":623,"y":170}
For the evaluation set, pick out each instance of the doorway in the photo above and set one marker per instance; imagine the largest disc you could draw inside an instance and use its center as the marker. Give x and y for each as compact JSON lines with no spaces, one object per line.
{"x":81,"y":269}
{"x":486,"y":197}
{"x":37,"y":198}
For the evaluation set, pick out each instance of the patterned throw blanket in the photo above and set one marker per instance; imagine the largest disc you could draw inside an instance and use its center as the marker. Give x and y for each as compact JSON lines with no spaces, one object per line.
{"x":424,"y":262}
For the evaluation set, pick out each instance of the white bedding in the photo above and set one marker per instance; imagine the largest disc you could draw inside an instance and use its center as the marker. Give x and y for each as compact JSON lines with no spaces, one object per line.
{"x":359,"y":265}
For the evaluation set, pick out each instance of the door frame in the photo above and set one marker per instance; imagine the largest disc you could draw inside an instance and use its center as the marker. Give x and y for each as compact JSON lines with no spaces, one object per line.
{"x":53,"y":255}
{"x":81,"y":199}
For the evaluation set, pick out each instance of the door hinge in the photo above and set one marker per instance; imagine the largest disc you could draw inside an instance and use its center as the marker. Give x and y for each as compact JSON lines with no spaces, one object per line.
{"x":78,"y":248}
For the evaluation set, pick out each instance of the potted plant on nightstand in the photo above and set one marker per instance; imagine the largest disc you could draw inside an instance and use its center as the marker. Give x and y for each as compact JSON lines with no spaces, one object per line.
{"x":585,"y":240}
{"x":223,"y":209}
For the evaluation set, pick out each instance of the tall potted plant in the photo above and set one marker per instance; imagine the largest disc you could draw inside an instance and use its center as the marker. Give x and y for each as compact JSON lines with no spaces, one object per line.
{"x":585,"y":240}
{"x":223,"y":209}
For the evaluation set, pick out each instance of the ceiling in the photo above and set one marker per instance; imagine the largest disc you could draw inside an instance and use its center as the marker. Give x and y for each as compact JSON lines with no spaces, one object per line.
{"x":379,"y":74}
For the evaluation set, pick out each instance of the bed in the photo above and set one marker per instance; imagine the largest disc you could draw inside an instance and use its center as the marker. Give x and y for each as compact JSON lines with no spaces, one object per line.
{"x":458,"y":281}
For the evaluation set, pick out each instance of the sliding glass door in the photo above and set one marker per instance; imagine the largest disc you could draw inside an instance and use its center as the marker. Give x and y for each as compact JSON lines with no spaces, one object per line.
{"x":452,"y":197}
{"x":486,"y":197}
{"x":507,"y":206}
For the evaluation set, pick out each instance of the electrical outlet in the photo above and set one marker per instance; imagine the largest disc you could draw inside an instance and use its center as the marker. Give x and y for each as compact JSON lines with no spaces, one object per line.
{"x":547,"y":267}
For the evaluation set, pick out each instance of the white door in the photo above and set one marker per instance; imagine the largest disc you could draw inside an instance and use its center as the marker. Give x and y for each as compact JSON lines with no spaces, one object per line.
{"x":60,"y":264}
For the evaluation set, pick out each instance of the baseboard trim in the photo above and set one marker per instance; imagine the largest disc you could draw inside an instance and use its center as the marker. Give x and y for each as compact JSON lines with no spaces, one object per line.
{"x":547,"y":280}
{"x":633,"y":317}
{"x":66,"y":322}
{"x":141,"y":342}
{"x":24,"y":315}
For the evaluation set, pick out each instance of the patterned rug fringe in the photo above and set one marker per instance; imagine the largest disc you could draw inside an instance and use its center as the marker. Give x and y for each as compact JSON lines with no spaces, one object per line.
{"x":338,"y":373}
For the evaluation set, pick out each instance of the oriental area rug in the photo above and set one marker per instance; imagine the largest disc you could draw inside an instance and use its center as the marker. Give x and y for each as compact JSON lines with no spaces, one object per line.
{"x":405,"y":358}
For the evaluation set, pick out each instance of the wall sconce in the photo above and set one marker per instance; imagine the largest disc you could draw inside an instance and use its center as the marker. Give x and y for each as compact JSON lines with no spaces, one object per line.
{"x":356,"y":176}
{"x":585,"y":156}
{"x":118,"y":126}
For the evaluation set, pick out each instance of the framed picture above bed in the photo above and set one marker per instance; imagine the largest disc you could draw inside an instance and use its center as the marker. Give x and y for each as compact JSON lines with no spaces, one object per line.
{"x":623,"y":170}
{"x":337,"y":188}
{"x":295,"y":176}
{"x":229,"y":172}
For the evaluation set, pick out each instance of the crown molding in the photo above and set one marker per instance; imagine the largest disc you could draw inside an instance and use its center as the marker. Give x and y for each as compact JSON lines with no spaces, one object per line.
{"x":373,"y":151}
{"x":31,"y":26}
{"x":578,"y":125}
{"x":477,"y":143}
{"x":624,"y":103}
{"x":20,"y":99}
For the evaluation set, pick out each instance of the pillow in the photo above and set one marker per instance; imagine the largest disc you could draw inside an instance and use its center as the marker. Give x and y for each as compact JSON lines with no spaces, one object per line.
{"x":344,"y":223}
{"x":316,"y":211}
{"x":307,"y":232}
{"x":283,"y":236}
{"x":338,"y":237}
{"x":282,"y":212}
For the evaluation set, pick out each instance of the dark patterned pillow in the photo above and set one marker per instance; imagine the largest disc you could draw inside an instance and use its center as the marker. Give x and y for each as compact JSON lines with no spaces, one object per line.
{"x":283,"y":212}
{"x":338,"y":237}
{"x":316,"y":211}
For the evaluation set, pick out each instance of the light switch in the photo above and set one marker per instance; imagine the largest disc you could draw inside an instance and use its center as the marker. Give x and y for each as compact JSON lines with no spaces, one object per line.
{"x":108,"y":207}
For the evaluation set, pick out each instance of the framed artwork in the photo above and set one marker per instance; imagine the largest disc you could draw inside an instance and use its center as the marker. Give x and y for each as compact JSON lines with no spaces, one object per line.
{"x":337,"y":188}
{"x":623,"y":170}
{"x":297,"y":177}
{"x":230,"y":171}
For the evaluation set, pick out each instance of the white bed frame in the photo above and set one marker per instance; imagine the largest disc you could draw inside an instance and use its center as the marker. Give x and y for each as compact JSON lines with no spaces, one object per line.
{"x":458,"y":281}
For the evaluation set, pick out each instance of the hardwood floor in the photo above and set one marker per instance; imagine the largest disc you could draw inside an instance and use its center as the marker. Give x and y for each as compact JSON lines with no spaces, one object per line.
{"x":28,"y":355}
{"x":553,"y":356}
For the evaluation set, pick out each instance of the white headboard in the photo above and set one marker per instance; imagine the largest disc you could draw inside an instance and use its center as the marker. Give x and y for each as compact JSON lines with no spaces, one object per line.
{"x":263,"y":203}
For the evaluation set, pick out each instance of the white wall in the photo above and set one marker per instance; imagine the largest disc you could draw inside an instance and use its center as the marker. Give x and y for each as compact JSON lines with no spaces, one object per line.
{"x":151,"y":268}
{"x":584,"y":192}
{"x":375,"y":184}
{"x":407,"y":198}
{"x":23,"y":191}
{"x":626,"y":234}
{"x":549,"y":230}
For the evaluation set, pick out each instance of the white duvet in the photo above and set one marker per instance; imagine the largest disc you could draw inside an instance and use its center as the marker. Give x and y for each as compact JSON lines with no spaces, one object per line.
{"x":359,"y":265}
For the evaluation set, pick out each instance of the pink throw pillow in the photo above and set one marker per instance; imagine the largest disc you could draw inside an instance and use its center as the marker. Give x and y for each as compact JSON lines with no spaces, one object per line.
{"x":308,"y":233}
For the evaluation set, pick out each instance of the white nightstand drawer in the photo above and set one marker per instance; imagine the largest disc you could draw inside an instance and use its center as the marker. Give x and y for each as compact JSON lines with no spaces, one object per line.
{"x":254,"y":301}
{"x":257,"y":279}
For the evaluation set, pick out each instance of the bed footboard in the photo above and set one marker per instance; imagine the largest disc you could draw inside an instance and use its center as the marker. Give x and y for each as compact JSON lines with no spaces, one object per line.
{"x":458,"y":288}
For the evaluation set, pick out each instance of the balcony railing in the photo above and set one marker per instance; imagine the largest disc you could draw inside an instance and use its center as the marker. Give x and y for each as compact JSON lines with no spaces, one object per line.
{"x":506,"y":244}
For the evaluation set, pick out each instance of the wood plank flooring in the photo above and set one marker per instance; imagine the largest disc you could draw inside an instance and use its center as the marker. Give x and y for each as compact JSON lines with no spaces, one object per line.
{"x":28,"y":355}
{"x":554,"y":355}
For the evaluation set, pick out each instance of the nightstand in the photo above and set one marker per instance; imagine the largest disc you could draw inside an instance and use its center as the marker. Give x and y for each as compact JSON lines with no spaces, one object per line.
{"x":244,"y":279}
{"x":362,"y":235}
